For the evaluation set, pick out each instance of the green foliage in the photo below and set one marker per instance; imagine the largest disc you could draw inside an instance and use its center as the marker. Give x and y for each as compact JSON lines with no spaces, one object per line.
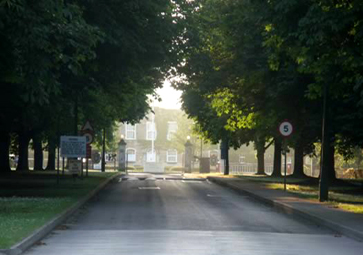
{"x":248,"y":65}
{"x":65,"y":62}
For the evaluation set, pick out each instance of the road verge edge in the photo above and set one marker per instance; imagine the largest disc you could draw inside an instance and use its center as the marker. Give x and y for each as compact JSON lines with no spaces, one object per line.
{"x":285,"y":208}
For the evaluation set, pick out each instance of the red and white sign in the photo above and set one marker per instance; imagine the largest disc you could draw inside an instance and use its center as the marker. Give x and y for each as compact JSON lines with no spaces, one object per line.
{"x":89,"y":138}
{"x":87,"y":126}
{"x":87,"y":131}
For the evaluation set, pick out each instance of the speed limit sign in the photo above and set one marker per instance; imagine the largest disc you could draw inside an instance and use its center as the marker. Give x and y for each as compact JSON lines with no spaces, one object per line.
{"x":286,"y":128}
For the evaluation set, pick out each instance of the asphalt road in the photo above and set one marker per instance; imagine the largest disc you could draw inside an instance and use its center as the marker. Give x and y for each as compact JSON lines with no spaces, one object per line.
{"x":146,"y":214}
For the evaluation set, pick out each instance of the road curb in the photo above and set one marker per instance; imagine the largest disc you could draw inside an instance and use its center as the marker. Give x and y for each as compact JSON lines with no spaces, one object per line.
{"x":340,"y":229}
{"x":41,"y":232}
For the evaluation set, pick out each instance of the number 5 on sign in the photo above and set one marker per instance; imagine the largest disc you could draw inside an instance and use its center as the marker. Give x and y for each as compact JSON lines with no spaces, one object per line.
{"x":286,"y":128}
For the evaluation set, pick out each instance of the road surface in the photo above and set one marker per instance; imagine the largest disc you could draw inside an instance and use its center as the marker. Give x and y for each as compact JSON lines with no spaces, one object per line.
{"x":159,"y":215}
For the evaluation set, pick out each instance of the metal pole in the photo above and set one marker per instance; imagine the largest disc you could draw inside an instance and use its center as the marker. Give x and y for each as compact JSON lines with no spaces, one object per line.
{"x":86,"y":167}
{"x":285,"y":169}
{"x":76,"y":116}
{"x":103,"y":164}
{"x":82,"y":169}
{"x":63,"y":166}
{"x":58,"y":154}
{"x":58,"y":166}
{"x":201,"y":154}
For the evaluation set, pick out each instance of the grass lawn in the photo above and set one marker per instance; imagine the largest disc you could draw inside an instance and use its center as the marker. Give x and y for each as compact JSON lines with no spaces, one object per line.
{"x":346,"y":196}
{"x":28,"y":201}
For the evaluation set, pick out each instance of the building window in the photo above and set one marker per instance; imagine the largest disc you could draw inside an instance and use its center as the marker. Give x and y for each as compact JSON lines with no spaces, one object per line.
{"x":131,"y":155}
{"x":151,"y":156}
{"x":130,"y":131}
{"x":242,"y":159}
{"x":172,"y":156}
{"x":150,"y":131}
{"x":172,"y":128}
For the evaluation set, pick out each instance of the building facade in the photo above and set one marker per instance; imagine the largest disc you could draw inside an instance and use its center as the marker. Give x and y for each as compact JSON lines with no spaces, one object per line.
{"x":153,"y":141}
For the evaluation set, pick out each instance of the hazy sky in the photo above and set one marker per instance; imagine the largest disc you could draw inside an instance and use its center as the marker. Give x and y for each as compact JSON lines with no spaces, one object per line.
{"x":170,"y":97}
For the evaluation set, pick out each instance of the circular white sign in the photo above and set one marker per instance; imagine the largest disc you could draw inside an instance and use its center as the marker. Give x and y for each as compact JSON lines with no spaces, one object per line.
{"x":286,"y":128}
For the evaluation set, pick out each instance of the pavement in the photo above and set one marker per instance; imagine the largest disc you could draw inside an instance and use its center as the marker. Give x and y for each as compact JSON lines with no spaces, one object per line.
{"x":345,"y":223}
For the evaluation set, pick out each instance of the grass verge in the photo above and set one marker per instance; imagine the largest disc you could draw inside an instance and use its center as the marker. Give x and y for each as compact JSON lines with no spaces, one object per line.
{"x":28,"y":201}
{"x":345,"y":196}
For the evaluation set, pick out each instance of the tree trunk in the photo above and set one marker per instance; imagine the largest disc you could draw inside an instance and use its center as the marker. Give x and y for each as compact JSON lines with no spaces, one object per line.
{"x":51,"y":155}
{"x":327,"y":134}
{"x":226,"y":169}
{"x":331,"y":164}
{"x":4,"y":153}
{"x":38,"y":153}
{"x":224,"y":155}
{"x":261,"y":159}
{"x":298,"y":162}
{"x":277,"y":158}
{"x":23,"y":164}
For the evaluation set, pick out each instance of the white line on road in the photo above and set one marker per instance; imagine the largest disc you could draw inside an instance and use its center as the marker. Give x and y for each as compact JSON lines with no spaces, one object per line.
{"x":191,"y":181}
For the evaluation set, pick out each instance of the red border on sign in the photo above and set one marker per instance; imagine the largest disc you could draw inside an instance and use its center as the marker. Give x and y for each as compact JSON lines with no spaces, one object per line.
{"x":85,"y":130}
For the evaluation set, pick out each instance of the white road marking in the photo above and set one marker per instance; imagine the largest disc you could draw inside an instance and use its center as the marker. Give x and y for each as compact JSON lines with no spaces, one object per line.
{"x":210,"y":195}
{"x":191,"y":181}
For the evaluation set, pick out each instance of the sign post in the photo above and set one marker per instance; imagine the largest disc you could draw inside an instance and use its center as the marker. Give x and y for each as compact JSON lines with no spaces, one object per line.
{"x":88,"y":132}
{"x":285,"y":129}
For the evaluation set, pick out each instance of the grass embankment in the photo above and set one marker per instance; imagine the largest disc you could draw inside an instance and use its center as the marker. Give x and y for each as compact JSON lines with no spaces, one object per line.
{"x":346,"y":195}
{"x":28,"y":201}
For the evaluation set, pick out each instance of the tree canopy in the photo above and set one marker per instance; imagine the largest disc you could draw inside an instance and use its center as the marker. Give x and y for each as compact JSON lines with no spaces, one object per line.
{"x":64,"y":62}
{"x":260,"y":62}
